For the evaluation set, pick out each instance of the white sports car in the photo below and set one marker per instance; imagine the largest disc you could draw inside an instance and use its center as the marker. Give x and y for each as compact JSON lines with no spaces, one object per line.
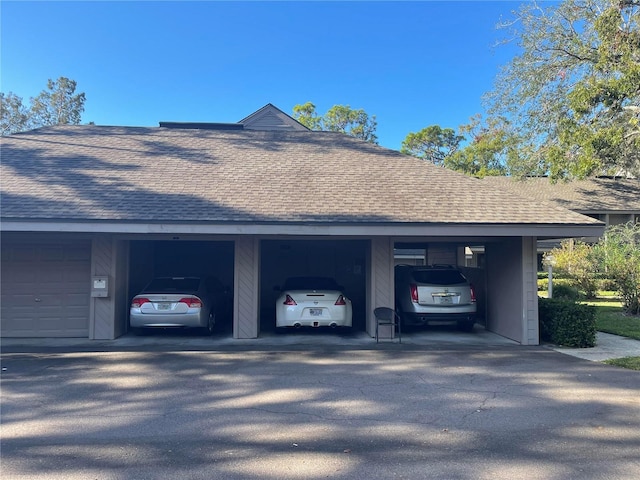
{"x":312,"y":302}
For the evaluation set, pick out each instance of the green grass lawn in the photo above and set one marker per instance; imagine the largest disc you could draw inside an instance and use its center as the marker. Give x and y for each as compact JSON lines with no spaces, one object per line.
{"x":632,"y":363}
{"x":611,"y":319}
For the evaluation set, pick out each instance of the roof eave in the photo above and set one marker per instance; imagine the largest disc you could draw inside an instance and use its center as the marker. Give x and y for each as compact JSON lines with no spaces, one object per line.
{"x":540,"y":231}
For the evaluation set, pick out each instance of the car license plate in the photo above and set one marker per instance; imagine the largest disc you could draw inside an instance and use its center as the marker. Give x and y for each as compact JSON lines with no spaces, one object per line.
{"x":315,"y":312}
{"x":446,"y":300}
{"x":164,"y":306}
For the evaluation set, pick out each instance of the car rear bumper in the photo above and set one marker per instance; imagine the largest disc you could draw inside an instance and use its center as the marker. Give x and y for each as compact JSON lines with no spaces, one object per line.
{"x":304,"y":321}
{"x":428,"y":318}
{"x":300,"y":316}
{"x":146,"y":320}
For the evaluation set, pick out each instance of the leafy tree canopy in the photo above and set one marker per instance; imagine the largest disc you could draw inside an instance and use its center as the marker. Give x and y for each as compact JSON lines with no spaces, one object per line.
{"x":479,"y":148}
{"x":14,"y":116}
{"x":572,"y":95}
{"x":618,"y":254}
{"x":490,"y":150}
{"x":339,"y":118}
{"x":432,"y":143}
{"x":58,"y":104}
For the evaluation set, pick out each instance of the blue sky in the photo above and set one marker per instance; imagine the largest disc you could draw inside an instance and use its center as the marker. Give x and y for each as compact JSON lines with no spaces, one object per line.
{"x":411,"y":64}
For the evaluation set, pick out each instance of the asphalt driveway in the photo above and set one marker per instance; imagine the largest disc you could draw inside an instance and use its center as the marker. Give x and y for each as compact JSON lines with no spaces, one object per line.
{"x":376,"y":412}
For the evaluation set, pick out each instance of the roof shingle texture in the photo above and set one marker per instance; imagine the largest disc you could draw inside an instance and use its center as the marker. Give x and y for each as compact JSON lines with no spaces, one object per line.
{"x":592,"y":195}
{"x":151,"y":175}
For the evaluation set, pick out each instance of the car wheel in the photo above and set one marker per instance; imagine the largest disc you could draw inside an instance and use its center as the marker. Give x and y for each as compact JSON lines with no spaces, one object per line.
{"x":212,"y":323}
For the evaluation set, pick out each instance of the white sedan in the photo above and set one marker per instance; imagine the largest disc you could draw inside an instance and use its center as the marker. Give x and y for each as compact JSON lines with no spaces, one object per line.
{"x":312,"y":302}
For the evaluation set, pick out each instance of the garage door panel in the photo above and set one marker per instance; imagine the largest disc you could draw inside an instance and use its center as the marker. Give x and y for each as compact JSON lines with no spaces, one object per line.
{"x":53,"y":322}
{"x":77,"y":300}
{"x":19,"y":253}
{"x":20,"y":319}
{"x":53,"y":276}
{"x":16,"y":300}
{"x":14,"y":279}
{"x":46,"y":289}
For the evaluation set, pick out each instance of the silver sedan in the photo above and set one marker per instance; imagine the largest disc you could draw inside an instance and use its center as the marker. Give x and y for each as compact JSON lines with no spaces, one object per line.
{"x":169,"y":302}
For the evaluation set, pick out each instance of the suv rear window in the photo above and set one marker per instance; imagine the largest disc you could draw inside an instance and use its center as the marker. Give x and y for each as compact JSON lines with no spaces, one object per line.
{"x":438,"y":277}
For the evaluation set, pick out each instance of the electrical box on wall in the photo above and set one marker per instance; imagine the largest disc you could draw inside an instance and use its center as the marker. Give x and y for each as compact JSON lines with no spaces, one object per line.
{"x":100,"y":286}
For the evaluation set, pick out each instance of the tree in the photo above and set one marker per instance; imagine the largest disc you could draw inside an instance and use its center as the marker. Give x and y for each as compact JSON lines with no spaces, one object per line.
{"x":577,"y":261}
{"x":432,"y":143}
{"x":619,"y":258}
{"x":479,"y":148}
{"x":339,"y":118}
{"x":572,"y":95}
{"x":58,"y":104}
{"x":306,"y":115}
{"x":14,"y":116}
{"x":491,"y":149}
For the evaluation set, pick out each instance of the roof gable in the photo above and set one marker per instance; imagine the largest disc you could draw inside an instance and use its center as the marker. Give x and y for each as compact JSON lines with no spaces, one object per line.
{"x":271,"y":117}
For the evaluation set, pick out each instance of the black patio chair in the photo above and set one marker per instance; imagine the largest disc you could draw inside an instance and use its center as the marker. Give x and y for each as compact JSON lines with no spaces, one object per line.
{"x":387,"y":316}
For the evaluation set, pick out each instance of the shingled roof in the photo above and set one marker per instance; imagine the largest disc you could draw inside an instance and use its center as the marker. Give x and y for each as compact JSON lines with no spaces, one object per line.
{"x":592,"y":195}
{"x":156,"y":175}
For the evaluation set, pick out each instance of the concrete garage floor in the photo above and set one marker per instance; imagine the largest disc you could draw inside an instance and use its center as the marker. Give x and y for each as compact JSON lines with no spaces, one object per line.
{"x":608,"y":346}
{"x":434,"y":336}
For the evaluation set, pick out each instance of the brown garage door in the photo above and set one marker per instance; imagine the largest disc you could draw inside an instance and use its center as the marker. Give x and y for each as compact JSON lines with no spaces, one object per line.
{"x":45,"y":289}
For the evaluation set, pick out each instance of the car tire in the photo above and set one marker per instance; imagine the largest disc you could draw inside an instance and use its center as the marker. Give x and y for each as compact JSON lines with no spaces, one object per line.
{"x":211,"y":324}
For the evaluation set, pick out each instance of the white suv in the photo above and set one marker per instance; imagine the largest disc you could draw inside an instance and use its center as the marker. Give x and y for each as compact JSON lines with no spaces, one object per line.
{"x":433,"y":295}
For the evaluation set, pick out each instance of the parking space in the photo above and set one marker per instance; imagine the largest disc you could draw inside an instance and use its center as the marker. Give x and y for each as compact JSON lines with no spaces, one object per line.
{"x":344,"y":261}
{"x":205,"y":259}
{"x":390,"y":411}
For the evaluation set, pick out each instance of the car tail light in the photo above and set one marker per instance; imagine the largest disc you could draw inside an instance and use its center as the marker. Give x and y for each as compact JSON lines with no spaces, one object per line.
{"x":414,"y":292}
{"x":289,"y":301}
{"x":192,"y":302}
{"x":473,"y":294}
{"x":341,"y":300}
{"x":137,"y":302}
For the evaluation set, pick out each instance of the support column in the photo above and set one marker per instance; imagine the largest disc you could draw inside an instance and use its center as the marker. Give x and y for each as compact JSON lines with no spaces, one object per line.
{"x":381,"y":285}
{"x":512,"y":289}
{"x":246,"y":290}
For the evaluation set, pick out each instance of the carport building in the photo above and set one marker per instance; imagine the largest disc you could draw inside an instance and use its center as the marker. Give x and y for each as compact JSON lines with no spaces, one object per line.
{"x":90,"y":213}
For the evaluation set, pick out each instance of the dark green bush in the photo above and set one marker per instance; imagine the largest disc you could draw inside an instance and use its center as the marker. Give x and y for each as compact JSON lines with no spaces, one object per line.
{"x":566,"y":292}
{"x":543,"y":284}
{"x":567,"y":323}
